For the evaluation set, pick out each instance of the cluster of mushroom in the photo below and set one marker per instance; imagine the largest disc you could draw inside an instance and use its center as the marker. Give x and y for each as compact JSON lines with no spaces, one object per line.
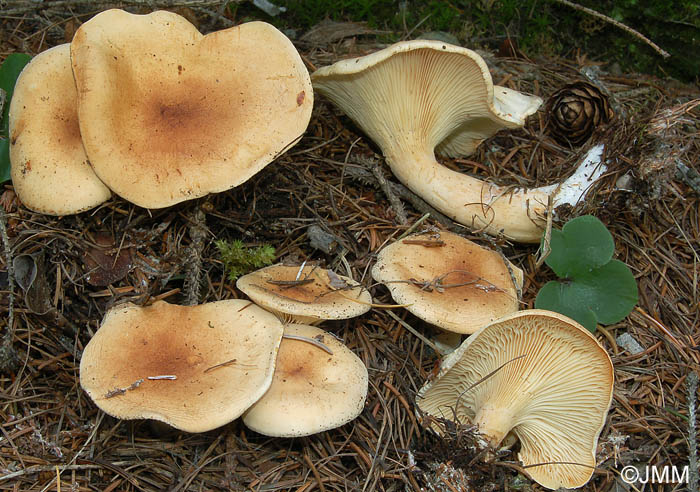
{"x":199,"y":367}
{"x":148,"y":108}
{"x":537,"y":375}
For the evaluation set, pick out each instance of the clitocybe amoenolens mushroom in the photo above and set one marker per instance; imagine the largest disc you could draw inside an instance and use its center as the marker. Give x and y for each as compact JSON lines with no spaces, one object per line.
{"x":168,"y":114}
{"x":449,"y":281}
{"x":49,"y":168}
{"x":416,"y":97}
{"x":312,"y":390}
{"x":541,"y":376}
{"x":306,"y":294}
{"x":193,"y":367}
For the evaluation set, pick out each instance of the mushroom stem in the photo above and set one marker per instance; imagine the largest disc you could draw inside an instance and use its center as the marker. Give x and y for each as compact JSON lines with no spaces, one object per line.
{"x":517,"y":213}
{"x":494,"y":423}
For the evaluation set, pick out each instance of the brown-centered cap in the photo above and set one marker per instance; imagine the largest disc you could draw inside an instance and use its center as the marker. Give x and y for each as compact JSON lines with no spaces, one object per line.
{"x":305,"y":295}
{"x":49,"y":168}
{"x":449,"y":281}
{"x":417,"y":97}
{"x":538,"y":374}
{"x":210,"y":362}
{"x":312,"y":390}
{"x":168,"y":114}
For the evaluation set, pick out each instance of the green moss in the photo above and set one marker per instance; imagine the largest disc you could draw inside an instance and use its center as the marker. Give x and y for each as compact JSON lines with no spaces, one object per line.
{"x":239,"y":260}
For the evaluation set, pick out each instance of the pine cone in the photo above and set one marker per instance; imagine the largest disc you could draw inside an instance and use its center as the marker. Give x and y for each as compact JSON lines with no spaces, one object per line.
{"x":575,"y":111}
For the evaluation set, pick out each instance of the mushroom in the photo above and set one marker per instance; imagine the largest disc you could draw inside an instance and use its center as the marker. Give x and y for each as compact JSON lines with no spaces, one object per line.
{"x":168,"y":114}
{"x":416,"y":97}
{"x":538,"y":374}
{"x":449,"y":281}
{"x":305,"y":294}
{"x":193,"y":367}
{"x":312,"y":390}
{"x":49,"y":169}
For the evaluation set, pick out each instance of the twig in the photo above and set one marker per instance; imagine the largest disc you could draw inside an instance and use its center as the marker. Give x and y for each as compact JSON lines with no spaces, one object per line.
{"x":386,"y":188}
{"x":688,"y":175}
{"x":121,"y":391}
{"x":312,"y":341}
{"x":692,"y":383}
{"x":415,"y":225}
{"x":8,"y":356}
{"x":193,"y":272}
{"x":226,"y":364}
{"x":617,"y":24}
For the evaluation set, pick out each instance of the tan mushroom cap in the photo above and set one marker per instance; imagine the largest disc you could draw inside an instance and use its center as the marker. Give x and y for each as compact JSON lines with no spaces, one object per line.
{"x":49,"y":168}
{"x":135,"y":343}
{"x":312,"y":391}
{"x":554,"y":399}
{"x":317,"y":297}
{"x":459,"y":286}
{"x":168,"y":114}
{"x":416,"y":97}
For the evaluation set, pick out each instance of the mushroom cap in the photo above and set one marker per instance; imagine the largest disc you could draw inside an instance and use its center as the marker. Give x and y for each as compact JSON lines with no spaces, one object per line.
{"x":430,"y":92}
{"x":50,"y":170}
{"x":168,"y":114}
{"x":309,"y":302}
{"x":459,"y":286}
{"x":134,"y":343}
{"x":554,"y":399}
{"x":312,"y":391}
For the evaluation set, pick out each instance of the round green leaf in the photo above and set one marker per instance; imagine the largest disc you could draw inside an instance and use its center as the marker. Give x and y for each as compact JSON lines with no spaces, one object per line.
{"x":610,"y":291}
{"x":605,"y":295}
{"x":558,"y":297}
{"x":583,"y":245}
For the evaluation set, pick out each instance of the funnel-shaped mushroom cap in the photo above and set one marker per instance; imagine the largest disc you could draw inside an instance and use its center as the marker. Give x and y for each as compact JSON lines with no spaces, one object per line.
{"x":416,"y":97}
{"x":168,"y":114}
{"x":554,"y":398}
{"x":449,"y":281}
{"x":308,"y":295}
{"x":312,"y":390}
{"x":222,"y":355}
{"x":50,"y":171}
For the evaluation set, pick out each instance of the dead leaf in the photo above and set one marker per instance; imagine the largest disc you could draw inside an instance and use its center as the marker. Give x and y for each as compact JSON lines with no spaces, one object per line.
{"x":104,"y":263}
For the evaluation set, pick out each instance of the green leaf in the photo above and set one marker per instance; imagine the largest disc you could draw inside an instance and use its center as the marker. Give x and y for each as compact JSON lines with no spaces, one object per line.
{"x":583,"y":244}
{"x":9,"y":71}
{"x":560,"y":297}
{"x":4,"y":160}
{"x":610,"y":291}
{"x":605,"y":295}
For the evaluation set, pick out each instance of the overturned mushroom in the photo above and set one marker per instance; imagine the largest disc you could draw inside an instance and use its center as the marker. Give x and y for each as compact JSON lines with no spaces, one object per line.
{"x":312,"y":390}
{"x":539,"y":375}
{"x":449,"y":281}
{"x":416,"y":97}
{"x":193,"y":367}
{"x":306,"y":294}
{"x":49,"y":168}
{"x":168,"y":114}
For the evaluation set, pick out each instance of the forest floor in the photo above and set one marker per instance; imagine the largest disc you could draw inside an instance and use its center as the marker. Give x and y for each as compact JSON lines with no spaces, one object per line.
{"x":53,"y":437}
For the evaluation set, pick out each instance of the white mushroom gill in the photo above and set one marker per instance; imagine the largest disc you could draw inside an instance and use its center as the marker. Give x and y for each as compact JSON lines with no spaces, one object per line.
{"x":538,"y":375}
{"x":417,"y":97}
